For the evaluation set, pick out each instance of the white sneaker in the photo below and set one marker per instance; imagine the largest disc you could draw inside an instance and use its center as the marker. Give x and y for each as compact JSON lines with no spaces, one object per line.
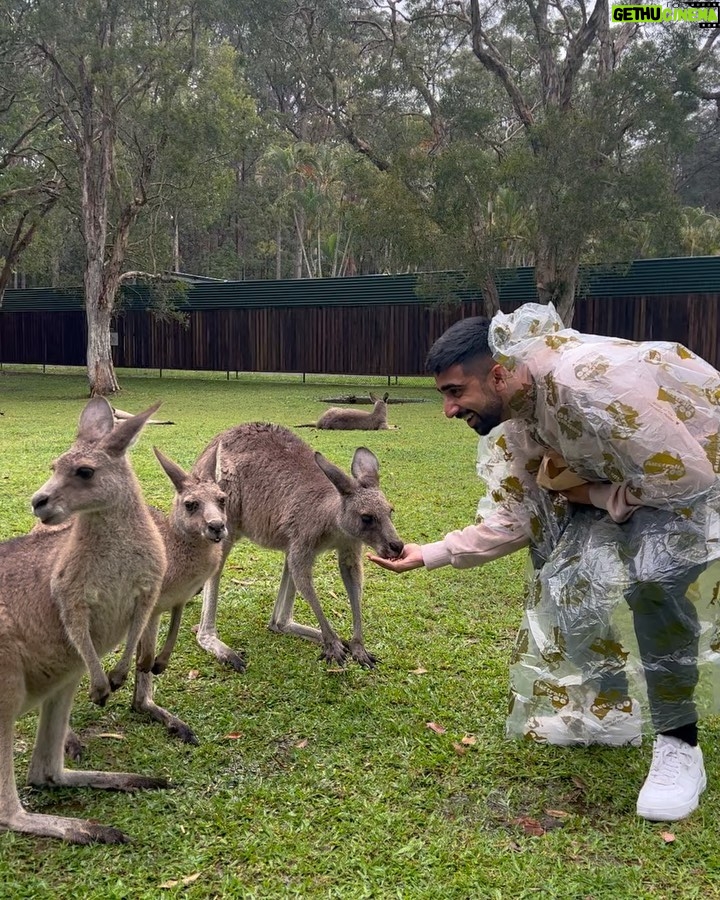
{"x":674,"y":783}
{"x":615,"y":726}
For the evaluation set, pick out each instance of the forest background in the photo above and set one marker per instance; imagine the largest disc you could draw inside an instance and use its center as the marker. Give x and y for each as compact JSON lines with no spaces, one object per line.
{"x":244,"y":139}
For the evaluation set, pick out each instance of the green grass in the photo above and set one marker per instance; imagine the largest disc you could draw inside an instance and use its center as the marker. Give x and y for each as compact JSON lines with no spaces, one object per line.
{"x":332,"y":785}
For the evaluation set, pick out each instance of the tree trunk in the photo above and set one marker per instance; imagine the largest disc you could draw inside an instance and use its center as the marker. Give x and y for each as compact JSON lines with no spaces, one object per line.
{"x":101,"y":372}
{"x":176,"y":242}
{"x":556,"y":282}
{"x":278,"y":251}
{"x":490,"y":296}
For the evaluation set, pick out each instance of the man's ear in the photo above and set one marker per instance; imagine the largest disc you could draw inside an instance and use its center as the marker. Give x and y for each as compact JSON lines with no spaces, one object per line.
{"x":498,"y":376}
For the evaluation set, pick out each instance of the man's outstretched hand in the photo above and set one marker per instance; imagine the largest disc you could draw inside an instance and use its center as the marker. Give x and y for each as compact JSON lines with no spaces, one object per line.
{"x":410,"y":558}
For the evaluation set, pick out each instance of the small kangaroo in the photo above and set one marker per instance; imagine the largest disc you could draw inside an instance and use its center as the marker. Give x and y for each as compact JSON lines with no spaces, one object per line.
{"x":192,"y":535}
{"x":284,"y":496}
{"x":338,"y":419}
{"x":68,"y":597}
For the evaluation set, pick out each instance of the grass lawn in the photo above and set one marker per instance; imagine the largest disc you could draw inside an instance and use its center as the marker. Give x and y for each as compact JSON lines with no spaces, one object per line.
{"x":312,"y":783}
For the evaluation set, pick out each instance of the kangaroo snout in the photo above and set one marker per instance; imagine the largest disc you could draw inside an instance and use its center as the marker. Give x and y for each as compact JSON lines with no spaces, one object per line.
{"x":216,"y":531}
{"x":391,"y":550}
{"x":48,"y":513}
{"x":38,"y":501}
{"x":396,"y":548}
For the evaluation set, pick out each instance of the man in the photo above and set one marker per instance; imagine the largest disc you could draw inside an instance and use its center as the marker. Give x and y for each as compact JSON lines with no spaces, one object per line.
{"x":602,"y":456}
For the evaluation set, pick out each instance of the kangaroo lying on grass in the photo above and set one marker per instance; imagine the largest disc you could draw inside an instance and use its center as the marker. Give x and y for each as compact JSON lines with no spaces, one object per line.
{"x":338,"y":419}
{"x":283,"y":496}
{"x":192,"y":535}
{"x":67,"y":598}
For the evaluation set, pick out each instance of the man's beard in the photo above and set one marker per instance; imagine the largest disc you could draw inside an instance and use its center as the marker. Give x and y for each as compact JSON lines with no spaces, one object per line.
{"x":491,"y":418}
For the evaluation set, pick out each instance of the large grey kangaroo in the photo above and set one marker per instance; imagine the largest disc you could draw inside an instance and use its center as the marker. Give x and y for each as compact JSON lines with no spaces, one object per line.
{"x":284,"y":496}
{"x":65,"y":600}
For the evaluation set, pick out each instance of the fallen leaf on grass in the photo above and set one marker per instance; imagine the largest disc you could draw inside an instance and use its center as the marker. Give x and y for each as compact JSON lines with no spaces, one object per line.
{"x":578,"y":782}
{"x":529,"y":826}
{"x":668,"y":837}
{"x":301,"y":745}
{"x":193,"y":674}
{"x":469,"y":740}
{"x":433,"y":726}
{"x":111,"y":734}
{"x":459,"y":749}
{"x":181,"y":881}
{"x":233,"y":736}
{"x":557,"y":813}
{"x":419,"y":671}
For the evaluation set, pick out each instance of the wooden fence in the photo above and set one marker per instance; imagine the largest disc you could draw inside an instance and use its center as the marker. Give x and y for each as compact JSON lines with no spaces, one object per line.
{"x":382,"y":339}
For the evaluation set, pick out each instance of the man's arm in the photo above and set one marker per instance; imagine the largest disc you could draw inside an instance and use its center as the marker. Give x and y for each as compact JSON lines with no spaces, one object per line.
{"x":507,"y":463}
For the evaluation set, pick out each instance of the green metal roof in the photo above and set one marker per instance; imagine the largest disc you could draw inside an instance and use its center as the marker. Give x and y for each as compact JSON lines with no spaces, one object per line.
{"x":676,"y":275}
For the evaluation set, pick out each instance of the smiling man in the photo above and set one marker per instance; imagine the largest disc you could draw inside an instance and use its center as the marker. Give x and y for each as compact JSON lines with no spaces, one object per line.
{"x":603,"y":457}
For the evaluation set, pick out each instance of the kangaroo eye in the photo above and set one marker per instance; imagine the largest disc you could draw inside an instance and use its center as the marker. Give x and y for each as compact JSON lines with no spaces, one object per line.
{"x":191,"y":505}
{"x":221,"y":502}
{"x":85,"y":472}
{"x":367,"y":520}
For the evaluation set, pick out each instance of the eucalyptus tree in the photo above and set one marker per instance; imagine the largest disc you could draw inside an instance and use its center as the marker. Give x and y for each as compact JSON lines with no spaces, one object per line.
{"x":593,"y":109}
{"x":30,"y":179}
{"x":463,"y":106}
{"x":113,"y":73}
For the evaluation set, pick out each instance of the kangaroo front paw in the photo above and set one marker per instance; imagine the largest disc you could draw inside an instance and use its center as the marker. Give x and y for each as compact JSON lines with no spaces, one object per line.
{"x":74,"y":747}
{"x":100,"y":690}
{"x":145,"y":663}
{"x":159,"y":666}
{"x":117,"y":678}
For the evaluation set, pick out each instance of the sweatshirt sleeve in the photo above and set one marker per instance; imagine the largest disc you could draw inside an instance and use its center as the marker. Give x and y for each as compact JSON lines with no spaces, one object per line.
{"x":508,"y":461}
{"x":477,"y":544}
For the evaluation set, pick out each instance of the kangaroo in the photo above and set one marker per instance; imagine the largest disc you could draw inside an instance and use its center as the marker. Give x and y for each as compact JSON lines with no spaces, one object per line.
{"x":192,"y":535}
{"x":68,"y":597}
{"x":284,"y":496}
{"x":338,"y":419}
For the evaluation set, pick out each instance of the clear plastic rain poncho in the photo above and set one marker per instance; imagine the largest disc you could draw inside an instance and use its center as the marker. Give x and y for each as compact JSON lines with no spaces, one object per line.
{"x":622,"y":609}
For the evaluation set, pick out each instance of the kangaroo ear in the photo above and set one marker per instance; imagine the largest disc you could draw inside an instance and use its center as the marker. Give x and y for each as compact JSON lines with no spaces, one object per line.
{"x":173,"y":471}
{"x":211,"y":468}
{"x":126,"y":432}
{"x":218,"y":463}
{"x":365,"y":467}
{"x":385,"y":397}
{"x":343,"y":483}
{"x":96,"y":420}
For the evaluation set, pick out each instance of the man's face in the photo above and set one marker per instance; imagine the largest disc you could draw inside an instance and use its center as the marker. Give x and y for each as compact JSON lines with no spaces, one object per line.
{"x":471,"y":394}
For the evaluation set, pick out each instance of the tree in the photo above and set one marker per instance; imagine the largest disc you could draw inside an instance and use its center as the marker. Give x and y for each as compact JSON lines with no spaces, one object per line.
{"x":31,"y":182}
{"x":575,"y":124}
{"x":111,"y":72}
{"x":592,"y":120}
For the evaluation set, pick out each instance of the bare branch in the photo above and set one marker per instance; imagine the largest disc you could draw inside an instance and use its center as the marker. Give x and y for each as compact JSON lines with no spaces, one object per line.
{"x":578,"y":47}
{"x":704,"y":51}
{"x":494,"y":64}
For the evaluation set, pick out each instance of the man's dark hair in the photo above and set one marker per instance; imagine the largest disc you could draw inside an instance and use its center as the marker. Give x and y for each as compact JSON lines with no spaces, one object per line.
{"x":464,"y":342}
